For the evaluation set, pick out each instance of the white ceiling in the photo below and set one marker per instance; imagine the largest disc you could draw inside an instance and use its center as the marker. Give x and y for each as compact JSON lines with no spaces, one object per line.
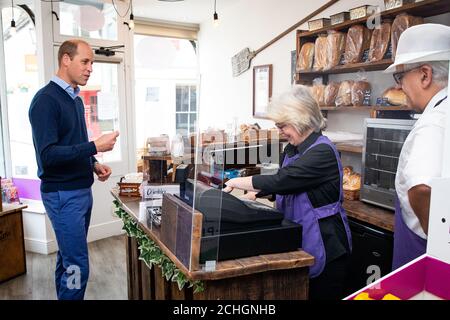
{"x":187,"y":11}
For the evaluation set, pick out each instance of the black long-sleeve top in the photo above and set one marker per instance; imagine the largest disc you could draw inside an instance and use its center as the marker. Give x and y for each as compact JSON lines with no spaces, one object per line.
{"x":316,"y":172}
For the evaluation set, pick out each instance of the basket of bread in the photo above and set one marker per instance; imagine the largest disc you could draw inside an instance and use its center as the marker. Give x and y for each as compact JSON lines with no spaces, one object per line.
{"x":351,"y":184}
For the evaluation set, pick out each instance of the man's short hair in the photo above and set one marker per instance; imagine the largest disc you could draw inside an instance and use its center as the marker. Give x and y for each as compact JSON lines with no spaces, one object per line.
{"x":69,"y":47}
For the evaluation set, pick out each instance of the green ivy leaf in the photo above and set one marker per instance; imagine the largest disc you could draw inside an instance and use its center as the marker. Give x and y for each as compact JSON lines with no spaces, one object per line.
{"x":151,"y":254}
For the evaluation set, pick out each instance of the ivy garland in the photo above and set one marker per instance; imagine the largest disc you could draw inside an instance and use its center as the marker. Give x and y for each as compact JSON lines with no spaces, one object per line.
{"x":151,"y":254}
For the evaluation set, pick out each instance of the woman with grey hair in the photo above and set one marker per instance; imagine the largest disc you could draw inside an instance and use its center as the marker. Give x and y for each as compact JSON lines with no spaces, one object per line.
{"x":308,"y":189}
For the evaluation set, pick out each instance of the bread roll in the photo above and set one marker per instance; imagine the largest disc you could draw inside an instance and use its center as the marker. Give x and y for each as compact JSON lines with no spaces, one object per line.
{"x":320,"y":53}
{"x":335,"y":48}
{"x":379,"y":42}
{"x":400,"y":24}
{"x":353,"y":182}
{"x":344,"y":96}
{"x":305,"y":57}
{"x":395,"y":97}
{"x":331,"y":91}
{"x":359,"y":89}
{"x":358,"y":40}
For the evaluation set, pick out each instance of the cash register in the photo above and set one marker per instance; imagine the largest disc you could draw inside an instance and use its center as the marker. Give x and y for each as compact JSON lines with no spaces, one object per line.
{"x":234,"y":228}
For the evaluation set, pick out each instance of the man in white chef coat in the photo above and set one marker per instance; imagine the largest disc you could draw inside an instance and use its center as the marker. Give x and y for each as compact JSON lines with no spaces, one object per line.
{"x":421,"y":70}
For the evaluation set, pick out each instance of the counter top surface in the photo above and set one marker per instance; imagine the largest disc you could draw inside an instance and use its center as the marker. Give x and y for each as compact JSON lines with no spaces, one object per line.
{"x":224,"y":269}
{"x":9,"y":208}
{"x":382,"y":218}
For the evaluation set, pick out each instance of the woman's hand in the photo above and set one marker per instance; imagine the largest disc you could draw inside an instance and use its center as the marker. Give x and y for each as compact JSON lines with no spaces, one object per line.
{"x":250,"y":195}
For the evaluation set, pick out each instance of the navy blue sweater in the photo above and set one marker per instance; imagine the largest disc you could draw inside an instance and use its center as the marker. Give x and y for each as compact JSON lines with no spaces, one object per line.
{"x":63,"y":153}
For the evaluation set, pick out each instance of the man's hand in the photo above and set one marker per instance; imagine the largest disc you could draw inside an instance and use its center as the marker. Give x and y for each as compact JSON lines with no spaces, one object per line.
{"x":106,"y":141}
{"x":102,"y":171}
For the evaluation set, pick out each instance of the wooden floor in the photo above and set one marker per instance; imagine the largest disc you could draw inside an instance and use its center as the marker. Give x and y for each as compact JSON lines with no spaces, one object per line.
{"x":107,"y":279}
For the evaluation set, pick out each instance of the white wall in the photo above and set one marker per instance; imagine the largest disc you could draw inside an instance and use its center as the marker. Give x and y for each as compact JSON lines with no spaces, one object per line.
{"x":250,"y":24}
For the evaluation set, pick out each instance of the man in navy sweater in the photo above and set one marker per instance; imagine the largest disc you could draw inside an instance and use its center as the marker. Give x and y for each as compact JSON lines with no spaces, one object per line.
{"x":66,"y":164}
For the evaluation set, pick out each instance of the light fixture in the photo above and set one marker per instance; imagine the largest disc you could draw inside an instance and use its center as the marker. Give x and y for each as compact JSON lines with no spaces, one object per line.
{"x":215,"y":15}
{"x":130,"y":23}
{"x":12,"y":29}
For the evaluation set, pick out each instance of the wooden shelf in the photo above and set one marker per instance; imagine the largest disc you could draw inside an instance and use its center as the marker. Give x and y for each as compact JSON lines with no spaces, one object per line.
{"x":346,"y":147}
{"x":349,"y":68}
{"x":425,"y":8}
{"x":371,"y":214}
{"x":365,"y":108}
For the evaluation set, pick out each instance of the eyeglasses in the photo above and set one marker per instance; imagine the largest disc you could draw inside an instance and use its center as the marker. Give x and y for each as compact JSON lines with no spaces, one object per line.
{"x":280,"y":126}
{"x":398,"y":76}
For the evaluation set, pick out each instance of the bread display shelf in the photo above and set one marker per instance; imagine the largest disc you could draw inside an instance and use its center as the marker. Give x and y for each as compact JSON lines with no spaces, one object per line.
{"x":425,"y":8}
{"x":343,"y":147}
{"x":365,"y":108}
{"x":349,"y":68}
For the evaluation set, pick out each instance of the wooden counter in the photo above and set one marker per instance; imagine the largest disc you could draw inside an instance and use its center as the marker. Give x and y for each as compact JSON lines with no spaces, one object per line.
{"x":272,"y":276}
{"x":12,"y":245}
{"x":377,"y":216}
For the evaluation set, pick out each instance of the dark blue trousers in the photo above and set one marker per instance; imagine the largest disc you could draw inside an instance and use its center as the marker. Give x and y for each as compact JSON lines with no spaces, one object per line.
{"x":70,"y":214}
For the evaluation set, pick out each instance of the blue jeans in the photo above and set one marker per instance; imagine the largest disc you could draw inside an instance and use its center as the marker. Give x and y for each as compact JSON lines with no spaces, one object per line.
{"x":70,"y":214}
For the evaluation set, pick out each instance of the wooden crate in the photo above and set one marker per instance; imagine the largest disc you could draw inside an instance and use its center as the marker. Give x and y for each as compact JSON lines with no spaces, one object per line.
{"x":129,"y":189}
{"x":351,"y":195}
{"x":12,"y":247}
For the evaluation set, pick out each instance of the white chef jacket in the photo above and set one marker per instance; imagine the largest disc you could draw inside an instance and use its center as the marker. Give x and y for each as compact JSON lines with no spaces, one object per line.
{"x":421,"y":156}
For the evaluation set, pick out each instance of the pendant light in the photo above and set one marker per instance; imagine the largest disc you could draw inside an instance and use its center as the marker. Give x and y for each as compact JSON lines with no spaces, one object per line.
{"x":12,"y":29}
{"x":131,"y":23}
{"x":215,"y":15}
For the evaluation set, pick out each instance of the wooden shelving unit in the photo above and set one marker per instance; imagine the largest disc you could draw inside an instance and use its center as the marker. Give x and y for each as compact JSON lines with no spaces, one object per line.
{"x":427,"y":8}
{"x":344,"y":147}
{"x":364,"y":108}
{"x":350,"y":68}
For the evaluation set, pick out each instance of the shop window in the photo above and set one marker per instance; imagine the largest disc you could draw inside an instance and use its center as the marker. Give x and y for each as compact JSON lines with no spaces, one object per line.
{"x":186,"y":109}
{"x":88,"y":19}
{"x":165,"y":87}
{"x":21,"y":76}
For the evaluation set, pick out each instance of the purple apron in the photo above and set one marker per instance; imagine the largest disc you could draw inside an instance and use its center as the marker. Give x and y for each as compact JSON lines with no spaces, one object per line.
{"x":407,"y":244}
{"x":298,"y":208}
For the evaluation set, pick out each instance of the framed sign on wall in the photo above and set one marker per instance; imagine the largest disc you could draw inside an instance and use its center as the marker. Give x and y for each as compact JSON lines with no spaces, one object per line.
{"x":262,"y":90}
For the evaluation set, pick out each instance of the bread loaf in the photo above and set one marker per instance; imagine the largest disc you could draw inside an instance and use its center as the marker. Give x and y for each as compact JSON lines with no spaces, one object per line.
{"x":335,"y":48}
{"x":379,"y":42}
{"x":317,"y":91}
{"x":305,"y":57}
{"x":359,"y":89}
{"x":331,"y":91}
{"x":350,"y":180}
{"x":396,"y":97}
{"x":358,"y":40}
{"x":400,"y":24}
{"x":344,"y":96}
{"x":320,"y":53}
{"x":353,"y":182}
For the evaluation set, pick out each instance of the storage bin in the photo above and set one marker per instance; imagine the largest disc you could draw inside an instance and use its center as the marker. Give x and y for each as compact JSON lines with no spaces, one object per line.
{"x":318,"y":23}
{"x":362,"y":11}
{"x":392,"y":4}
{"x":340,"y":17}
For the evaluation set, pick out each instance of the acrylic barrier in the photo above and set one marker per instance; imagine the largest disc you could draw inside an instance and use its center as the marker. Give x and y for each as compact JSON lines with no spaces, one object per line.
{"x":200,"y":223}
